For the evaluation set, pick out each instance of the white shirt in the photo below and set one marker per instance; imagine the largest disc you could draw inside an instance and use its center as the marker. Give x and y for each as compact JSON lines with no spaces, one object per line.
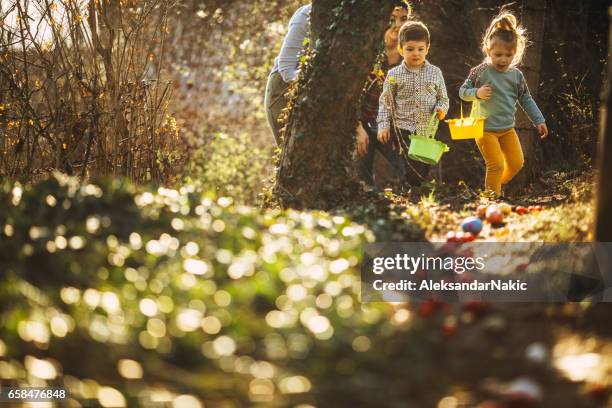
{"x":286,"y":63}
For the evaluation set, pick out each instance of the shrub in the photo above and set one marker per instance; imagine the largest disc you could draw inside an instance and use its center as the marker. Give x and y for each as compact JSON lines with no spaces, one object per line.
{"x":88,"y":97}
{"x":167,"y":279}
{"x":230,"y":166}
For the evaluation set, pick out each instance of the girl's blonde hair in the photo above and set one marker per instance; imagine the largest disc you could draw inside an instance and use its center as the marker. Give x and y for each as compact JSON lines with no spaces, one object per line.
{"x":505,"y":28}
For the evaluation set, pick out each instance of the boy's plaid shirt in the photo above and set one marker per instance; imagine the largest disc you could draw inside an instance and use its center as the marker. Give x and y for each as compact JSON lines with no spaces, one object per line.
{"x":413,"y":95}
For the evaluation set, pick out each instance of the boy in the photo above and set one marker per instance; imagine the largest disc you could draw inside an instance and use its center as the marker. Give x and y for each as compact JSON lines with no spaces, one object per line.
{"x":411,"y":93}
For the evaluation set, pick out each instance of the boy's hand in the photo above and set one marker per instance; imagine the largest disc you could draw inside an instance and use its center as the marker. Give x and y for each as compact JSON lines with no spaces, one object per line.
{"x":384,"y":135}
{"x":362,"y":140}
{"x":441,"y":113}
{"x":484,"y":92}
{"x":543,"y":130}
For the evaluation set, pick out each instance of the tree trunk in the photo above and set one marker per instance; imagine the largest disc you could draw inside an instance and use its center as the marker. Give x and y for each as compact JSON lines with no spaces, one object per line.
{"x":603,"y":221}
{"x":533,"y":17}
{"x":316,"y":166}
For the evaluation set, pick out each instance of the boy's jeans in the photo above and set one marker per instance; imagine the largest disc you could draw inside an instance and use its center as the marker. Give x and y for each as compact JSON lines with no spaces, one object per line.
{"x":405,"y":170}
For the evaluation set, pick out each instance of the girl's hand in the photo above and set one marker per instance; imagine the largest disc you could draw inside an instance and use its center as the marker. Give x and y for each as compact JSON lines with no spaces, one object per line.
{"x":383,"y":135}
{"x":484,"y":92}
{"x":362,"y":140}
{"x":441,"y":113}
{"x":543,"y":130}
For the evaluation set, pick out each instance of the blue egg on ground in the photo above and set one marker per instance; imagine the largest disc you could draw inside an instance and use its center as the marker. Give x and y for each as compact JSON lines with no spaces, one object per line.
{"x":472,"y":224}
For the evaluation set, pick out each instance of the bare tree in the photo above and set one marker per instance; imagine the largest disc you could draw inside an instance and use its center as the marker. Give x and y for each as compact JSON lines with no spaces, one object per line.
{"x":87,"y":96}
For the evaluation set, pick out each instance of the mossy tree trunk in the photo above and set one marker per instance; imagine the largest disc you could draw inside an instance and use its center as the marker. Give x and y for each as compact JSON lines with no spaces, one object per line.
{"x":603,"y":222}
{"x":316,"y":166}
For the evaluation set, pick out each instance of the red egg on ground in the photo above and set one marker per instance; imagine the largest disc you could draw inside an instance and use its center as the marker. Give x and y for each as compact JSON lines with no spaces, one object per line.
{"x":468,"y":237}
{"x":494,"y":215}
{"x":520,"y":210}
{"x":481,"y":211}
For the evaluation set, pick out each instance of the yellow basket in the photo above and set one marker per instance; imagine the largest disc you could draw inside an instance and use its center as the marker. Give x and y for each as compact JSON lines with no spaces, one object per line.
{"x":471,"y":127}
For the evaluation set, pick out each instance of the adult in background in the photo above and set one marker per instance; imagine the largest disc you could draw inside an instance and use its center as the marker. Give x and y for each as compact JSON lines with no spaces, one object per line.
{"x":286,"y":67}
{"x":367,"y":142}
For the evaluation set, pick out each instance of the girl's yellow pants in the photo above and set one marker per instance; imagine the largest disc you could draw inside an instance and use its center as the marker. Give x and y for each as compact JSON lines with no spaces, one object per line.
{"x":503,"y":157}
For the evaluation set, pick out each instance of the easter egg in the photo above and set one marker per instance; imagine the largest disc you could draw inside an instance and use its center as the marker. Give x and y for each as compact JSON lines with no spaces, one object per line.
{"x":505,"y":208}
{"x":451,"y":236}
{"x":534,"y":208}
{"x":481,"y":211}
{"x":468,"y":237}
{"x":472,"y":224}
{"x":494,"y":214}
{"x":520,"y":210}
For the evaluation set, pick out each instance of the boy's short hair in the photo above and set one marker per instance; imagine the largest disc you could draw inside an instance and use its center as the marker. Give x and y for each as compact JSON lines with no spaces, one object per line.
{"x":413,"y":31}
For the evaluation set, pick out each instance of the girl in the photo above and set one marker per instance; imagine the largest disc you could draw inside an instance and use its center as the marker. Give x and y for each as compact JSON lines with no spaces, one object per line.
{"x":498,"y":85}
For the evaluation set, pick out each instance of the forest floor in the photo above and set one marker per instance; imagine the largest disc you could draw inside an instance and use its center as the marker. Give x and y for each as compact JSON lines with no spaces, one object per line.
{"x":551,"y":355}
{"x":566,"y":214}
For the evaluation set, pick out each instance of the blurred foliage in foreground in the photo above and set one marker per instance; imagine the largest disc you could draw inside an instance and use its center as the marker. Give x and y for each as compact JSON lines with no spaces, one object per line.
{"x":129,"y":296}
{"x":178,"y":294}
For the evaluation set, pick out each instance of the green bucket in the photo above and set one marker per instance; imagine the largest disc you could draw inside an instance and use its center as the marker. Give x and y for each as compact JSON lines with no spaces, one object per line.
{"x":425,"y":148}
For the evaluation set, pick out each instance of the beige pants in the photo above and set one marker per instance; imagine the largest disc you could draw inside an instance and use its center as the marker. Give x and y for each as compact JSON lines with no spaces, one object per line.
{"x":274,"y":102}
